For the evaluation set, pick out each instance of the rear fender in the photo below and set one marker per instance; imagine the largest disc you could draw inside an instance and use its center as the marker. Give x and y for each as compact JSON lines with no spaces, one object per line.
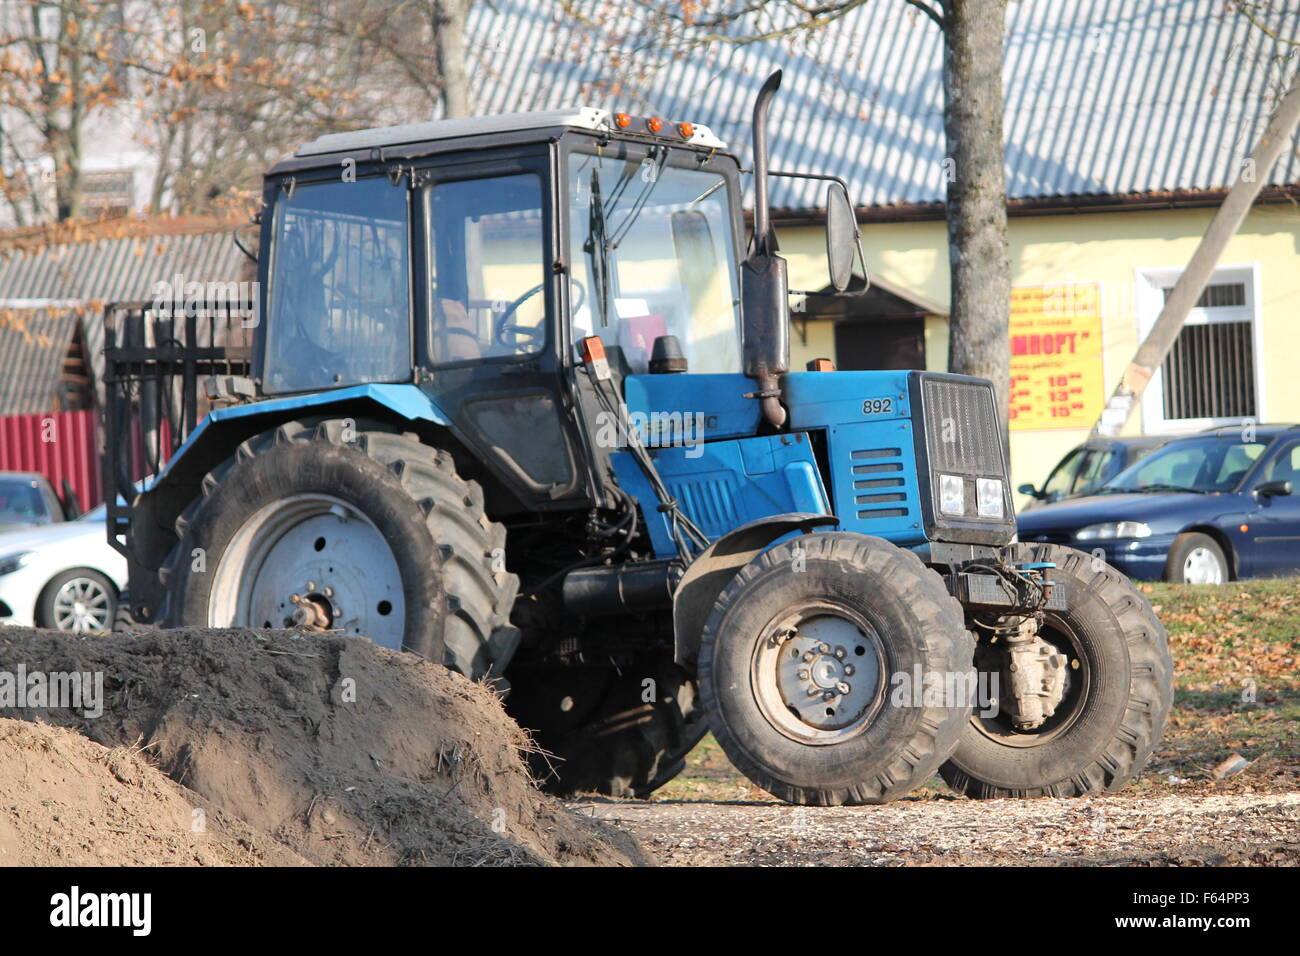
{"x":222,"y":431}
{"x":709,"y":573}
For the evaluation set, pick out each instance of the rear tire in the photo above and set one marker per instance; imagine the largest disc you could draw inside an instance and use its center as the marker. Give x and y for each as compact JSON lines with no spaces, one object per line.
{"x":1125,"y":688}
{"x":378,"y":520}
{"x":1196,"y":558}
{"x":865,"y":745}
{"x":599,"y":732}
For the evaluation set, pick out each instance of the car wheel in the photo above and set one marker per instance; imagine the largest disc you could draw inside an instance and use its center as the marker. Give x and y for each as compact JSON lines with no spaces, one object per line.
{"x":79,"y":601}
{"x":1196,"y":558}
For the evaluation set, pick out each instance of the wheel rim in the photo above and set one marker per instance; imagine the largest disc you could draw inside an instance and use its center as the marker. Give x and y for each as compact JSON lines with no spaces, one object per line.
{"x":310,"y":561}
{"x":1201,"y":566}
{"x":83,"y":605}
{"x":817,"y":673}
{"x":1078,"y":680}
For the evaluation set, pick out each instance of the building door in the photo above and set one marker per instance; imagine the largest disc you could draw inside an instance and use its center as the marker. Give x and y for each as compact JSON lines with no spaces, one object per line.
{"x":880,"y":343}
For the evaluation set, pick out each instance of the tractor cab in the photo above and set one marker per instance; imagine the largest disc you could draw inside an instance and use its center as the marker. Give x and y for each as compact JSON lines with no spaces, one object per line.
{"x":471,"y":257}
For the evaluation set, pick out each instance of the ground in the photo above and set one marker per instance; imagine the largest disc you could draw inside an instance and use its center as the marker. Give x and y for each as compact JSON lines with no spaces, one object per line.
{"x":1237,"y":693}
{"x":292,"y":749}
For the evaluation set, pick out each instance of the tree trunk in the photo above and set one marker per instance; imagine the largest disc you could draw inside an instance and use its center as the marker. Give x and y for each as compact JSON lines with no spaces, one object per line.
{"x":977,"y":194}
{"x":449,"y":34}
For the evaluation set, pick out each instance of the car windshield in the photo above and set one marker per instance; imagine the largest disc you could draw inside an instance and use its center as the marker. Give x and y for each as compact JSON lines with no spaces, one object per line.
{"x":21,"y":502}
{"x":653,"y":255}
{"x":1209,"y":464}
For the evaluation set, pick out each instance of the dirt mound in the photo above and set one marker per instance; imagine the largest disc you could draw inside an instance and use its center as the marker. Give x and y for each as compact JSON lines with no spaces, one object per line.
{"x":343,"y":752}
{"x":65,"y":800}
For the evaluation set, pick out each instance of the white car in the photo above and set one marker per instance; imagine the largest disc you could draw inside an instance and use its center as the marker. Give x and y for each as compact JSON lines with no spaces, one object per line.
{"x":63,"y":575}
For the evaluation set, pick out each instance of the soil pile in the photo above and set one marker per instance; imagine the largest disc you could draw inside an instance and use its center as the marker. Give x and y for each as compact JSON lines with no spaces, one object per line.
{"x":327,"y":749}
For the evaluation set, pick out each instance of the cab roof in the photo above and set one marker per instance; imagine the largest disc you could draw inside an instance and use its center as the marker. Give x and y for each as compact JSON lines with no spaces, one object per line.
{"x":587,"y":118}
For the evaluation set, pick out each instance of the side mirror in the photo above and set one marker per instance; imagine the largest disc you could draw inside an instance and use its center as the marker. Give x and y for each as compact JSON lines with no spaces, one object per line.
{"x":841,"y":236}
{"x":1271,"y":488}
{"x":1028,"y":489}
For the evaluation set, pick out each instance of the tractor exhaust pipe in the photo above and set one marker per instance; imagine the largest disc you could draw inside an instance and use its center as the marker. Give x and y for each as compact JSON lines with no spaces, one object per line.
{"x":764,"y":290}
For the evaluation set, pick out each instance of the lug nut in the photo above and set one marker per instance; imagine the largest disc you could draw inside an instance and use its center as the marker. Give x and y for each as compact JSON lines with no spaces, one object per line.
{"x":329,"y":592}
{"x":843,"y":687}
{"x":824,"y":648}
{"x":848,"y":670}
{"x":311,"y":585}
{"x":829,"y":695}
{"x":840,"y":652}
{"x":808,"y":657}
{"x":294,"y":599}
{"x":803,"y":673}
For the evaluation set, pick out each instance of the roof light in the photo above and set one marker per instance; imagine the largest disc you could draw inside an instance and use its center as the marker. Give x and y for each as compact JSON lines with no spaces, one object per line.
{"x":622,"y":120}
{"x":685,"y":130}
{"x":654,"y":124}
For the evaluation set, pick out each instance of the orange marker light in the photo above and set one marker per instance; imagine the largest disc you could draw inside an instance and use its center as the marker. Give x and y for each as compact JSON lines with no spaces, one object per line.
{"x":1245,"y":528}
{"x":654,"y":124}
{"x":821,"y":365}
{"x":622,"y":120}
{"x":593,"y":356}
{"x":685,"y":130}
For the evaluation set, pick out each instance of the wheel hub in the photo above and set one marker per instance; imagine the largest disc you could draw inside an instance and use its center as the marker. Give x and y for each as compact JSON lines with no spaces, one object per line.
{"x":313,"y":562}
{"x":817,"y":675}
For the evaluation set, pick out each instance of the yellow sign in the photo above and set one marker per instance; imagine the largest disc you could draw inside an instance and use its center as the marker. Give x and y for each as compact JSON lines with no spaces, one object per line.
{"x":1056,"y":370}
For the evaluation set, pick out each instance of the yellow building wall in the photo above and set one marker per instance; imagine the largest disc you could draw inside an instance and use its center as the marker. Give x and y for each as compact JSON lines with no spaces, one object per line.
{"x":1109,"y":249}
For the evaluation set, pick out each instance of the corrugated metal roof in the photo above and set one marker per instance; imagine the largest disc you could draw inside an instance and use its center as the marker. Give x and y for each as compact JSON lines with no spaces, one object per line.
{"x":33,"y":343}
{"x":88,"y":275}
{"x":108,"y":270}
{"x":1103,"y":97}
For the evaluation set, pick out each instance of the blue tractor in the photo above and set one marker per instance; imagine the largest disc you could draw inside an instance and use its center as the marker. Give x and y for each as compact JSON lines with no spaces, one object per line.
{"x":516,"y":397}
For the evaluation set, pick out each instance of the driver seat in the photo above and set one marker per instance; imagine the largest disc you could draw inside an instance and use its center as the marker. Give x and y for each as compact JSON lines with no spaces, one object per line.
{"x":455,"y":337}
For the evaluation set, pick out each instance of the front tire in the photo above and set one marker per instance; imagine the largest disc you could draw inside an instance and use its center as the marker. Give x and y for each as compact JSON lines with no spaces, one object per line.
{"x":803,"y":656}
{"x":1115,"y":704}
{"x":1196,"y":558}
{"x":344,"y":527}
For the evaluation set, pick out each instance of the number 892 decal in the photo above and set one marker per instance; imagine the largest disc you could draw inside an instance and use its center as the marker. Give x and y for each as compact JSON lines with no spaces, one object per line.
{"x":878,"y":406}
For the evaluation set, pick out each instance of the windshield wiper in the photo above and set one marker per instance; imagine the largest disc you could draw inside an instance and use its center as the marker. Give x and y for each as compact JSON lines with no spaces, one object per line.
{"x":1154,"y":487}
{"x":597,"y":250}
{"x":640,"y":202}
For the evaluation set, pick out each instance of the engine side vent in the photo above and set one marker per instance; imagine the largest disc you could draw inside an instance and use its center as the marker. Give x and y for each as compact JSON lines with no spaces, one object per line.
{"x":875,"y":472}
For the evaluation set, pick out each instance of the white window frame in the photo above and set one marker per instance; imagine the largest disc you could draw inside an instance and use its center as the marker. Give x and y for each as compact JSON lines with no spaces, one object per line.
{"x":1150,"y":301}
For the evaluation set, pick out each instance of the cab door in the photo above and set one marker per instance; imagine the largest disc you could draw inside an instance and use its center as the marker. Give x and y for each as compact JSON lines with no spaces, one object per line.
{"x":490,"y":355}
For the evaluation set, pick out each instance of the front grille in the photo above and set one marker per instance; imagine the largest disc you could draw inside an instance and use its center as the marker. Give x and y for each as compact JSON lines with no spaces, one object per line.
{"x":961,"y":427}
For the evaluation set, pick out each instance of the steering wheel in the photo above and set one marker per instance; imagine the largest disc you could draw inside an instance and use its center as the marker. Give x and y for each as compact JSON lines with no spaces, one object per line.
{"x":512,"y":335}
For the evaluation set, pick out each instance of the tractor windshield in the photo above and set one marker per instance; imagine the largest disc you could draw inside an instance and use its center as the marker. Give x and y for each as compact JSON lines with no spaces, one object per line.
{"x":653,"y":254}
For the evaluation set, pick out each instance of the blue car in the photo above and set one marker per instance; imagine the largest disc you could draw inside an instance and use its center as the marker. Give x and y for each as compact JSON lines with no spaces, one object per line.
{"x":1204,"y":509}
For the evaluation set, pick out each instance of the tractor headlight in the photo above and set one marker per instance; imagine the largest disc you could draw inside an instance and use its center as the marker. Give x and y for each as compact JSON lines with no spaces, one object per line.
{"x":952,"y":495}
{"x":988,"y":497}
{"x":11,"y":563}
{"x":1110,"y":530}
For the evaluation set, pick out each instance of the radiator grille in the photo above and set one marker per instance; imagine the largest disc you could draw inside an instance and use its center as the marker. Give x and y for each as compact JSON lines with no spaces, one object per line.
{"x":961,"y":427}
